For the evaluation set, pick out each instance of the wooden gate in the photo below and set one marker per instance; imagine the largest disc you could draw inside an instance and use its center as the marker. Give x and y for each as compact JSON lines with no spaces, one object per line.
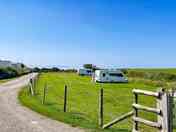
{"x":163,"y":110}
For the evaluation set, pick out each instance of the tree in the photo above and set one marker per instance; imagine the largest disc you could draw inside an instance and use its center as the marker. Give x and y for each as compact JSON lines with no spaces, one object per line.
{"x":55,"y":69}
{"x":22,"y":65}
{"x":36,"y":69}
{"x":8,"y":72}
{"x":90,"y":66}
{"x":125,"y":71}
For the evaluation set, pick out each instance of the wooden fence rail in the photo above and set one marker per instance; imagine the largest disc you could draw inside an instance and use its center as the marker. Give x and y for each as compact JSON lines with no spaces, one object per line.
{"x":145,"y":92}
{"x":146,"y":122}
{"x":147,"y":109}
{"x":119,"y":119}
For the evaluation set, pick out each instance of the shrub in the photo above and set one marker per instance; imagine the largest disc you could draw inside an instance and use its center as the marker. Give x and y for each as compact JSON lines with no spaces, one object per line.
{"x":160,"y":76}
{"x":125,"y":71}
{"x":136,"y":74}
{"x":8,"y":72}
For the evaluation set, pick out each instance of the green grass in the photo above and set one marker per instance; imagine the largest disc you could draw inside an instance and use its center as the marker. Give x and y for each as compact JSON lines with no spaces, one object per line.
{"x":83,"y":101}
{"x":4,"y":80}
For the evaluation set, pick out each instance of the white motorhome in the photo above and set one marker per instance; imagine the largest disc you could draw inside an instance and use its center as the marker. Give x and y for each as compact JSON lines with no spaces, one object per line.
{"x":85,"y":72}
{"x":109,"y":75}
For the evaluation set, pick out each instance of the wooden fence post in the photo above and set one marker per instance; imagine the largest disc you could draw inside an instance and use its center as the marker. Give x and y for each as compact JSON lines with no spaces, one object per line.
{"x":171,"y":115}
{"x":65,"y":99}
{"x":135,"y":113}
{"x":33,"y":84}
{"x":101,"y":108}
{"x":44,"y":94}
{"x":31,"y":87}
{"x":173,"y":103}
{"x":164,"y":104}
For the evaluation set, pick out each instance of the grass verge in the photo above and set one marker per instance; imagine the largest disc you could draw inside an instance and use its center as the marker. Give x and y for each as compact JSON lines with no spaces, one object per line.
{"x":83,"y":101}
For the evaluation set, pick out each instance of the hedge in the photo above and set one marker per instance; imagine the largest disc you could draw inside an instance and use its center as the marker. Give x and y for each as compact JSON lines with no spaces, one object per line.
{"x":160,"y":76}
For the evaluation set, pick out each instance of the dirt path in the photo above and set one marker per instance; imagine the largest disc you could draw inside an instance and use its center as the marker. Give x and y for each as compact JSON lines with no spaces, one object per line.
{"x":16,"y":118}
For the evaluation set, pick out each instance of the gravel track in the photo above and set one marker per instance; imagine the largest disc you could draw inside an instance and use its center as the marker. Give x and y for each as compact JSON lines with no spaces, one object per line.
{"x":16,"y":118}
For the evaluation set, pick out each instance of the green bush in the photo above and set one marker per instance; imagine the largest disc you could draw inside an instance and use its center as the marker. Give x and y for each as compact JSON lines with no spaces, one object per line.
{"x":8,"y":72}
{"x":159,"y":76}
{"x":125,"y":71}
{"x":136,"y":74}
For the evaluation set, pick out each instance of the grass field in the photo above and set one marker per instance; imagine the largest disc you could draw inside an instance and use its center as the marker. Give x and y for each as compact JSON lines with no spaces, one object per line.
{"x":83,"y":101}
{"x":4,"y":80}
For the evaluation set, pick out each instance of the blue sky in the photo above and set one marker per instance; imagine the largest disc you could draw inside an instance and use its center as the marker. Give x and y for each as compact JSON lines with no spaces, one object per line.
{"x":111,"y":33}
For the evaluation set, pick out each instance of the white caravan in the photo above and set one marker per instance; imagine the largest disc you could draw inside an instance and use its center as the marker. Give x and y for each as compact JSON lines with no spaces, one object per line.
{"x":85,"y":72}
{"x":109,"y":75}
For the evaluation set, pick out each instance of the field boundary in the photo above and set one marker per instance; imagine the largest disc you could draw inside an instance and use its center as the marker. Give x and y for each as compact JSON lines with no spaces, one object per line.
{"x":66,"y":95}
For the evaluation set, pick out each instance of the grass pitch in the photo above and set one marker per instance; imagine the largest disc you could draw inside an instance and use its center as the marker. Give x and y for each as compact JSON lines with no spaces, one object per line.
{"x":83,"y":101}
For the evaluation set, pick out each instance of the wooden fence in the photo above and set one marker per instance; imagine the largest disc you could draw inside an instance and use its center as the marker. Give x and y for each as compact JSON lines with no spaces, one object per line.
{"x":163,"y":110}
{"x":32,"y":85}
{"x":113,"y":122}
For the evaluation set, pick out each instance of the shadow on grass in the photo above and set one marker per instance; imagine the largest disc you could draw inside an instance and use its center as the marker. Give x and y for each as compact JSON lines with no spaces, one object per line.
{"x":50,"y":103}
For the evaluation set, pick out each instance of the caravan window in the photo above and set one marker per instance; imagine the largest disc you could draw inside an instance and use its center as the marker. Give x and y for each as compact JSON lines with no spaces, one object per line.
{"x":104,"y":74}
{"x":116,"y":74}
{"x":89,"y":71}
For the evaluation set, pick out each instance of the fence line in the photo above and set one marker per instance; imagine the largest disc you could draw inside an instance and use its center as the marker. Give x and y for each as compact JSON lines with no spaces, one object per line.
{"x":32,"y":85}
{"x":163,"y":109}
